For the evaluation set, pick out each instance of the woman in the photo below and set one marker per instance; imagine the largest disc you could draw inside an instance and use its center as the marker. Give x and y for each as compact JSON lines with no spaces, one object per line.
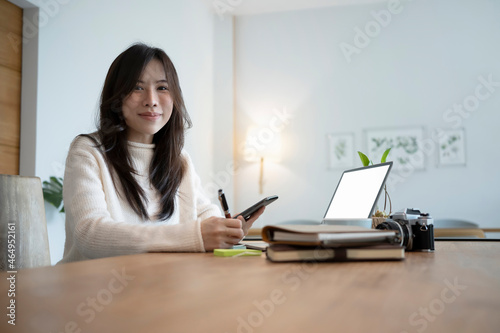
{"x":130,"y":187}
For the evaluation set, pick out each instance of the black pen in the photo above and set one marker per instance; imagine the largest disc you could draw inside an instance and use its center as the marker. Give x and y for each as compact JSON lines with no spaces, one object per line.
{"x":223,"y":203}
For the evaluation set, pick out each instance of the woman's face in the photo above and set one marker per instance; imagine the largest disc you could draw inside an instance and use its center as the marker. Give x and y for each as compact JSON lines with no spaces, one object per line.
{"x":149,"y":106}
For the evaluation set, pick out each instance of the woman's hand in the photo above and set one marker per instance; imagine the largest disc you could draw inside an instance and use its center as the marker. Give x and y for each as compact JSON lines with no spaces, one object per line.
{"x":246,"y":225}
{"x":222,"y":233}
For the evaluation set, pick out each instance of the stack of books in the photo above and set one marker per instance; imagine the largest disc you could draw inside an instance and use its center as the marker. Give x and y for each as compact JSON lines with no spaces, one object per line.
{"x":330,"y":243}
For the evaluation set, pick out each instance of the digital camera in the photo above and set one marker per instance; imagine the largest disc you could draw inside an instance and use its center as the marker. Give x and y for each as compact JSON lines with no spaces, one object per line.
{"x":415,"y":228}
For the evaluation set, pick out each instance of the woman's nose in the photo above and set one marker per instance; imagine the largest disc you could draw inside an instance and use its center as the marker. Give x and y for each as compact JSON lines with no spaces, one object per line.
{"x":151,"y":98}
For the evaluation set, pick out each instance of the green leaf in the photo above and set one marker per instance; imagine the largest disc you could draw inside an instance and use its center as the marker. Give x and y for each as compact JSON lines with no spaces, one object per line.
{"x":384,"y":156}
{"x":54,"y":199}
{"x":364,"y":159}
{"x":52,"y":192}
{"x":57,"y":181}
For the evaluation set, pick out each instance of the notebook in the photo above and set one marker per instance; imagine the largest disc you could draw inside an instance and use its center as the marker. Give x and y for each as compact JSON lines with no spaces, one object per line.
{"x":357,"y":193}
{"x":286,"y":253}
{"x":327,"y":235}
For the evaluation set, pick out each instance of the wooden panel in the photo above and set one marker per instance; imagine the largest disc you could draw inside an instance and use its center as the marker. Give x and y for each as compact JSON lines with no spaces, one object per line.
{"x":9,"y":160}
{"x":10,"y":49}
{"x":11,"y":26}
{"x":10,"y":122}
{"x":10,"y":87}
{"x":10,"y":104}
{"x":11,"y":17}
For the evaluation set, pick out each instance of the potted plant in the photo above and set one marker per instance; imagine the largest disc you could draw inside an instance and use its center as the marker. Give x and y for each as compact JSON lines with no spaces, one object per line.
{"x":379,"y":216}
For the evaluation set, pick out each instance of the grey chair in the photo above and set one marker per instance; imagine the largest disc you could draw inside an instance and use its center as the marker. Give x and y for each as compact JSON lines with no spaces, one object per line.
{"x":23,"y":229}
{"x":454,"y":223}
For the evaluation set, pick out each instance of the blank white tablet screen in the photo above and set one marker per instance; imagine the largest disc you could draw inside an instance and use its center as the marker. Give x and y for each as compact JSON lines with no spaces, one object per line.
{"x":356,"y":193}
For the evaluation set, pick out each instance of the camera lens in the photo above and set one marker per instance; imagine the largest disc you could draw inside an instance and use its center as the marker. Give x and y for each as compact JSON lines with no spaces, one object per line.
{"x":402,"y":229}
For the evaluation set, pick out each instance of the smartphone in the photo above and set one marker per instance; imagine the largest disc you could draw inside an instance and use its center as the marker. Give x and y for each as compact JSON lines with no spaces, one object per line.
{"x":247,"y":213}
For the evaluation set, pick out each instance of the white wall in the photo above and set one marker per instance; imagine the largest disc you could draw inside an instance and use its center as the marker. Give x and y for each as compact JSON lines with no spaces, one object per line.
{"x":427,"y":58}
{"x":76,"y":45}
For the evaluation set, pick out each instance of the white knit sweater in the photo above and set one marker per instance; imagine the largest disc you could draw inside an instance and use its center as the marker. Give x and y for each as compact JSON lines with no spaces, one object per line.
{"x":101,"y":223}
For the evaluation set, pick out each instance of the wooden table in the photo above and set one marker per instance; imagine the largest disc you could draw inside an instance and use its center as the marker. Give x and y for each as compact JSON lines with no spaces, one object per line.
{"x":455,"y":289}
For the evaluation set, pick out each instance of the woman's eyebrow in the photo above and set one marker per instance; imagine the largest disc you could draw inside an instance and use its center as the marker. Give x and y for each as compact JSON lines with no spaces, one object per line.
{"x":159,"y":81}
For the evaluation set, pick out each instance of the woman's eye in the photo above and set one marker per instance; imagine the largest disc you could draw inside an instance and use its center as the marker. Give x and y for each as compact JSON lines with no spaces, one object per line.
{"x":138,"y":88}
{"x":163,"y":88}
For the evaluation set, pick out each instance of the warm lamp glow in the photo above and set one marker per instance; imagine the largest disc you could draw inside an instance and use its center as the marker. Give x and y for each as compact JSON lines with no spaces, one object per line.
{"x":260,"y":144}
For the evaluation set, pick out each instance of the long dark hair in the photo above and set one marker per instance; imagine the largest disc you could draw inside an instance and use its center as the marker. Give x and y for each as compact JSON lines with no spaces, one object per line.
{"x":167,"y":166}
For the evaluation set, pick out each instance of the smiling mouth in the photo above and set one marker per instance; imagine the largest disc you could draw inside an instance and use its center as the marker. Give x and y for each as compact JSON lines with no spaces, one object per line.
{"x":150,"y":115}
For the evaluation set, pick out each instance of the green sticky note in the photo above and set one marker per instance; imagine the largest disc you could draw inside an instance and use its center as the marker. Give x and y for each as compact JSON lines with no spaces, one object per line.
{"x":236,"y":252}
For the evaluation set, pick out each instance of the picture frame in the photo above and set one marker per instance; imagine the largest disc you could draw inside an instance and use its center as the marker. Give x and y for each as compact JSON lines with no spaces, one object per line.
{"x":340,"y":150}
{"x":405,"y":144}
{"x":451,"y":146}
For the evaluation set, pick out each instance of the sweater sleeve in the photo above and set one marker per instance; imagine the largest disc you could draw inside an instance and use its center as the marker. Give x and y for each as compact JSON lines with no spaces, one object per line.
{"x":89,"y":222}
{"x":204,"y":207}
